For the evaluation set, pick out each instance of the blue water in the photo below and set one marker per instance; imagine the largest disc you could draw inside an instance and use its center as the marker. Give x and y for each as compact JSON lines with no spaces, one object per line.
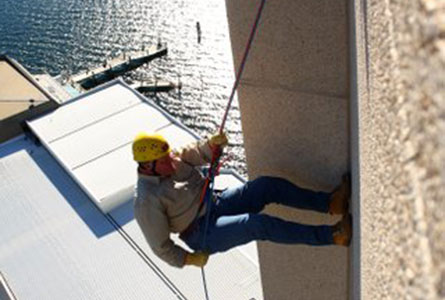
{"x":56,"y":36}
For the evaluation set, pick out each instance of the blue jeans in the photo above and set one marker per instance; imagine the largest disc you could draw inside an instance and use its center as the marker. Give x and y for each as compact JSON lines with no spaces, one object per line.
{"x":235,"y":218}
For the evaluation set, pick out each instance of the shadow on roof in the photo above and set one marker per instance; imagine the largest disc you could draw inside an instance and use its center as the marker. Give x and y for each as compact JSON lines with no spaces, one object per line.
{"x":91,"y":215}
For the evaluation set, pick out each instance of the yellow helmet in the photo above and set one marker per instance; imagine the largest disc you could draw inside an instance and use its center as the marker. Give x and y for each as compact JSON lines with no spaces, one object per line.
{"x":149,"y":147}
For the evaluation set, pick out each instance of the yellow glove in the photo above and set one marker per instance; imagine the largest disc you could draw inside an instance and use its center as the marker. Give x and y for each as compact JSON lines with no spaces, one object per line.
{"x":218,"y":139}
{"x":198,"y":259}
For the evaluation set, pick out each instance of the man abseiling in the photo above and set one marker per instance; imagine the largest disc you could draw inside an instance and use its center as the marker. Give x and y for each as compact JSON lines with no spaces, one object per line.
{"x":167,"y":200}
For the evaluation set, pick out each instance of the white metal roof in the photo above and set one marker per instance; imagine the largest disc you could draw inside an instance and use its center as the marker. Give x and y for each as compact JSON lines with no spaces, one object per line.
{"x":91,"y":137}
{"x":56,"y":244}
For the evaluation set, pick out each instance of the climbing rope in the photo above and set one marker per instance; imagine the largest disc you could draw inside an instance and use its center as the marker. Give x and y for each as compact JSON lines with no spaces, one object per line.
{"x":243,"y":63}
{"x":207,"y":191}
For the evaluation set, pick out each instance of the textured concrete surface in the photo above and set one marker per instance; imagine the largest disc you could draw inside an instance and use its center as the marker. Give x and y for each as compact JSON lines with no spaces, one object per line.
{"x":294,"y":111}
{"x":300,"y":45}
{"x":293,"y":140}
{"x":401,"y":71}
{"x":295,"y":135}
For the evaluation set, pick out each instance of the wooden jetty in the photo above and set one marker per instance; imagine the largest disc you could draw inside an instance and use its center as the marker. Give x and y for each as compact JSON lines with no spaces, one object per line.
{"x":116,"y":67}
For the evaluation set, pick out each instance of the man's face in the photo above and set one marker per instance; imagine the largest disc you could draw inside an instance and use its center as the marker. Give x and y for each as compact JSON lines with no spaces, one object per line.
{"x":166,"y":166}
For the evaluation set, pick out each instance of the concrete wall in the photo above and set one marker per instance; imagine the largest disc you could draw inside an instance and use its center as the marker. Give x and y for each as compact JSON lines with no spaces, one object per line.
{"x":294,"y":110}
{"x":400,"y":47}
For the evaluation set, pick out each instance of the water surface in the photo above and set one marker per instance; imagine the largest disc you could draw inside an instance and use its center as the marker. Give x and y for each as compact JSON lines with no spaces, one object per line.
{"x":56,"y":36}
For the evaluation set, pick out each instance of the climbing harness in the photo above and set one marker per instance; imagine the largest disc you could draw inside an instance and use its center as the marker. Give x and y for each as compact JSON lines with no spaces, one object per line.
{"x":207,"y":191}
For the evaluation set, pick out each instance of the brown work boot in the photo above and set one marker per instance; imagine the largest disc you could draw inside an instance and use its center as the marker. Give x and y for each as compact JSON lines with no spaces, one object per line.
{"x":342,"y":231}
{"x":339,"y":200}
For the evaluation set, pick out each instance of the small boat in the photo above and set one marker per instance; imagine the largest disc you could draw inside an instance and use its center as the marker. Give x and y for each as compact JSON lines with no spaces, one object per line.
{"x":146,"y":86}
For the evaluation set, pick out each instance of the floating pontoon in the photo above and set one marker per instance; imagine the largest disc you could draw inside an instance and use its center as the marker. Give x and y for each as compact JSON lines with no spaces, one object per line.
{"x":117,"y":67}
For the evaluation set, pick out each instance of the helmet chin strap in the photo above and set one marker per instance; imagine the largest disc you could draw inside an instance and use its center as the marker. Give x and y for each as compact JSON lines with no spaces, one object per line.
{"x":153,"y":169}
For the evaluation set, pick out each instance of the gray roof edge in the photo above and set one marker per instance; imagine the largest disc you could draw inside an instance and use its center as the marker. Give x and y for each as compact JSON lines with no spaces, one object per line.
{"x":5,"y":290}
{"x":12,"y":140}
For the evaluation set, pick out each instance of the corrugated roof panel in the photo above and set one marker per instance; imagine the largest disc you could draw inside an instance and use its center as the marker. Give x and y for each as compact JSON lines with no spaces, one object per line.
{"x":91,"y":137}
{"x":107,"y":176}
{"x":52,"y":244}
{"x":110,"y":179}
{"x":76,"y":114}
{"x":55,"y":244}
{"x":107,"y":135}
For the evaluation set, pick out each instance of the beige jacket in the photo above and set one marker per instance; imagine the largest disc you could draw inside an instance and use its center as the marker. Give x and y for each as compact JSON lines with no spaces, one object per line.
{"x":165,"y":205}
